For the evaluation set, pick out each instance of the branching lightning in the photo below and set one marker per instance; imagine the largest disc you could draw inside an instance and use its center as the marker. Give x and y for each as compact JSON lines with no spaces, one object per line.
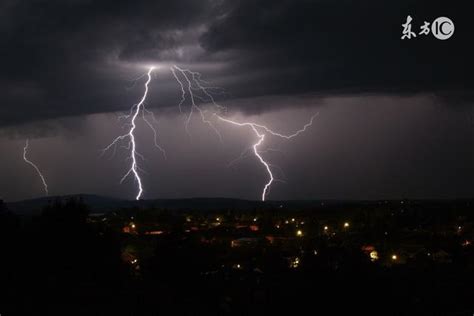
{"x":193,"y":82}
{"x":197,"y":90}
{"x":135,"y":111}
{"x":25,"y":150}
{"x":190,"y":81}
{"x":261,"y":131}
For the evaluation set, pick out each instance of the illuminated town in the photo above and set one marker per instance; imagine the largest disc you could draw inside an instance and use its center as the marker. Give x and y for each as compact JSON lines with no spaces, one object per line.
{"x":278,"y":256}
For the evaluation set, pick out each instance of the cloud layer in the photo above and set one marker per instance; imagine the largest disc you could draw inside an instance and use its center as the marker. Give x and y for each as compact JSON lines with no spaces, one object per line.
{"x":67,"y":58}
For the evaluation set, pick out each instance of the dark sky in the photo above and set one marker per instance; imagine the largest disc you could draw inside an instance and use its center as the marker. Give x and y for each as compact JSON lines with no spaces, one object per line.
{"x":395,"y":116}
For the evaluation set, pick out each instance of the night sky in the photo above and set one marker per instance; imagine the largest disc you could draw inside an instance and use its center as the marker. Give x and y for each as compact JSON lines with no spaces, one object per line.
{"x":395,"y":116}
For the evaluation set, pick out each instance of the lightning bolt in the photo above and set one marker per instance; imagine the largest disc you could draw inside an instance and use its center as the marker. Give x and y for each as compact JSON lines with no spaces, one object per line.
{"x":135,"y":111}
{"x":193,"y":82}
{"x":261,"y":131}
{"x":25,"y":150}
{"x":190,"y":82}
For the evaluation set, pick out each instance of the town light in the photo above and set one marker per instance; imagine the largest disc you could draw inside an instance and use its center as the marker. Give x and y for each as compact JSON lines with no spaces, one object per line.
{"x":374,"y":255}
{"x":295,"y":263}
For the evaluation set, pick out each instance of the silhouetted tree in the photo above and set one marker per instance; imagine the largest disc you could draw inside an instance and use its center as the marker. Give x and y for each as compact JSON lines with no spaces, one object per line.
{"x":70,"y":214}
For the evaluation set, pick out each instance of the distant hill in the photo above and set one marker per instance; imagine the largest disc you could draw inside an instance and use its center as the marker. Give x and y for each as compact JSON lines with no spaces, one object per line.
{"x":99,"y":204}
{"x":95,"y":202}
{"x":102,"y":204}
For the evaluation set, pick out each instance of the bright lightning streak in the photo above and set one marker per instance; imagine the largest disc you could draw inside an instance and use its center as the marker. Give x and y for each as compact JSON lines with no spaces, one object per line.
{"x":259,"y":130}
{"x":193,"y":81}
{"x":130,"y":136}
{"x":25,"y":150}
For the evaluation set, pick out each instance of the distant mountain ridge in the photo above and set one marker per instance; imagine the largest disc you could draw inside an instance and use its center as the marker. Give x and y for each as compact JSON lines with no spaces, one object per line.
{"x":98,"y":204}
{"x":34,"y":206}
{"x":101,"y":204}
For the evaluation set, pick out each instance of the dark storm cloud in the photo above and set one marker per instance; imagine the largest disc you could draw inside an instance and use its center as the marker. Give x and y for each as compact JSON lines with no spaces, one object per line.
{"x":67,"y":58}
{"x":58,"y":57}
{"x":345,"y":46}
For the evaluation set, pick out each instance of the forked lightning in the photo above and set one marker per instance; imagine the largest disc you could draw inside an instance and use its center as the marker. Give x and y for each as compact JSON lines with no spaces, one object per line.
{"x":43,"y":180}
{"x":261,"y":131}
{"x":192,"y":85}
{"x":135,"y":111}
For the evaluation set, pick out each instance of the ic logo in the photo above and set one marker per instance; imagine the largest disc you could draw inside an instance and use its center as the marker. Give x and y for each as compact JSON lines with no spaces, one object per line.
{"x":442,"y":28}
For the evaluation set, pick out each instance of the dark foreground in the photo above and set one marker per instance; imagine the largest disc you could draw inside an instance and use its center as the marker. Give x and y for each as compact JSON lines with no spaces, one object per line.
{"x":384,"y":258}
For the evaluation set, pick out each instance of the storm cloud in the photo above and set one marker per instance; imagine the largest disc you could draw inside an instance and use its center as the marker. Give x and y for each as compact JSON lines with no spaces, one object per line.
{"x":75,"y":57}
